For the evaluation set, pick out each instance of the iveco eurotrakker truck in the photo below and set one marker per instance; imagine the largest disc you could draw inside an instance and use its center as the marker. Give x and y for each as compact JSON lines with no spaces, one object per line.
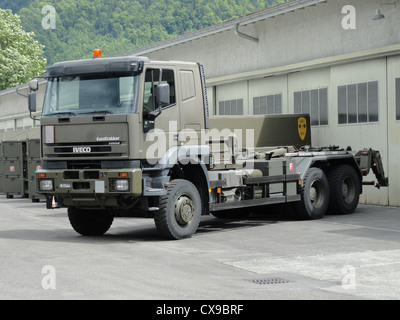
{"x":125,"y":136}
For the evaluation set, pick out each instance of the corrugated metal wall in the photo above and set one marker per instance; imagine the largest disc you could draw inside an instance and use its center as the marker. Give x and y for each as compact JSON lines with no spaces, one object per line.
{"x":393,"y":69}
{"x":362,"y":135}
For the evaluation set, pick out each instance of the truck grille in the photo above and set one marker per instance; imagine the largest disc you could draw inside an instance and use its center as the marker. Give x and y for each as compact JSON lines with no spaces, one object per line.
{"x":71,"y":150}
{"x":87,"y":150}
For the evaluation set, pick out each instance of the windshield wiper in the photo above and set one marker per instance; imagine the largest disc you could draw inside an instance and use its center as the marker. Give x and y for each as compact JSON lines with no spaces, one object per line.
{"x":98,"y":112}
{"x":61,"y":114}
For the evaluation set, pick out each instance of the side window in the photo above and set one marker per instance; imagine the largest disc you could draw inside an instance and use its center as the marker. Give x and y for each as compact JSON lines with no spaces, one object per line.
{"x":150,"y":102}
{"x":188,"y":90}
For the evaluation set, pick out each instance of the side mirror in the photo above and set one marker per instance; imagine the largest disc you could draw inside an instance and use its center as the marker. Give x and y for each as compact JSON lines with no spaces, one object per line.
{"x":163,"y":94}
{"x":32,"y":102}
{"x":34,"y":85}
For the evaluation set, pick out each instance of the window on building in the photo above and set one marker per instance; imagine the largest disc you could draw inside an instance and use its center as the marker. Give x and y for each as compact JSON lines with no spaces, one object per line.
{"x":231,"y":107}
{"x":358,"y":103}
{"x":313,"y":102}
{"x":271,"y":104}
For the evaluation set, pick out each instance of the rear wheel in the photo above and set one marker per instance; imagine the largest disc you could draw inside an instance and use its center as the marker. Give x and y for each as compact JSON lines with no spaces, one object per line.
{"x":90,"y":222}
{"x":345,"y":190}
{"x":180,"y":210}
{"x":314,"y":196}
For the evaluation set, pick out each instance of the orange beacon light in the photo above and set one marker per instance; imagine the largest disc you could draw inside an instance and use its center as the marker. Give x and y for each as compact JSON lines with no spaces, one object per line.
{"x":97,"y":53}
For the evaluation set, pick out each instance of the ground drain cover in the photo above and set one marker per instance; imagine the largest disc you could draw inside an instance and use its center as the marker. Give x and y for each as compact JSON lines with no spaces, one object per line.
{"x":269,"y":281}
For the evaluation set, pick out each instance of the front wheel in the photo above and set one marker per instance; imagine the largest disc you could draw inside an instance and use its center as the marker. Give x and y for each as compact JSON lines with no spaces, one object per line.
{"x":314,"y":196}
{"x":180,"y":210}
{"x":90,"y":222}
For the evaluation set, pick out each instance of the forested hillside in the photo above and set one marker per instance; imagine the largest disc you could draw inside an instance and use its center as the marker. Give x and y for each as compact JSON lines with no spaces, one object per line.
{"x":117,"y":26}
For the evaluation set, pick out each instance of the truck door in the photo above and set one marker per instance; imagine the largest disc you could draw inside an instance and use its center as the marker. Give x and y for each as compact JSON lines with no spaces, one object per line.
{"x":191,"y":100}
{"x":160,"y":133}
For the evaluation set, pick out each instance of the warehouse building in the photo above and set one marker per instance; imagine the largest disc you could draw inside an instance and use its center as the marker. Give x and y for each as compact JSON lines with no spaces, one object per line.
{"x":338,"y":60}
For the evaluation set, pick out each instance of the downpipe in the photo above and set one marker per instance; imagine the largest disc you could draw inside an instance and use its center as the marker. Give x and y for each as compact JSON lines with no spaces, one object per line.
{"x":243,"y":35}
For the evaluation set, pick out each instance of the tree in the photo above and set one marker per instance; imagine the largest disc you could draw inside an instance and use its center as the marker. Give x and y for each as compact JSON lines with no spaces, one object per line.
{"x":21,"y":56}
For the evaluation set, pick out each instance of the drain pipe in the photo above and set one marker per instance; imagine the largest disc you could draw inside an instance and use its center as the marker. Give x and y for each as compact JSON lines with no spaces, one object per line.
{"x":243,"y":35}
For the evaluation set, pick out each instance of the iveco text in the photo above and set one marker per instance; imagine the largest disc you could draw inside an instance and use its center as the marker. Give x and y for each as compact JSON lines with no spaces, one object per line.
{"x":82,"y":150}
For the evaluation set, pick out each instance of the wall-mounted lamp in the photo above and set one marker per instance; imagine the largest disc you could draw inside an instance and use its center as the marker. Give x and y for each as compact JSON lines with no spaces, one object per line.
{"x":378,"y":15}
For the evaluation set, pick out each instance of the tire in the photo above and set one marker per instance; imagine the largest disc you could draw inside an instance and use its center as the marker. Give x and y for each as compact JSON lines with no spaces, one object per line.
{"x":314,"y":196}
{"x":180,"y":211}
{"x":345,"y":190}
{"x":90,"y":222}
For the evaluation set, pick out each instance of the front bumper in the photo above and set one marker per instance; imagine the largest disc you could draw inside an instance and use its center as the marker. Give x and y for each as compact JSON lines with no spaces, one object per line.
{"x":90,"y":188}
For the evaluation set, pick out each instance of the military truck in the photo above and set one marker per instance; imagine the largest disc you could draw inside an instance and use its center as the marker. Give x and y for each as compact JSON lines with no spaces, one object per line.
{"x":127,"y":136}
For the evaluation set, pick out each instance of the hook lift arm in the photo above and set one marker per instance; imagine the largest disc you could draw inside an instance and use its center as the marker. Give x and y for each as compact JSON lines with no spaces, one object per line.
{"x":368,"y":159}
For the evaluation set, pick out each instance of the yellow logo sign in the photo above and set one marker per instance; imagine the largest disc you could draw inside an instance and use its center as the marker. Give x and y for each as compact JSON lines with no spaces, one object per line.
{"x":302,"y":126}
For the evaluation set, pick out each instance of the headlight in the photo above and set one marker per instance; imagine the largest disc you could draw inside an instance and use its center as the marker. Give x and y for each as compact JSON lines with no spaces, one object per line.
{"x":46,"y":185}
{"x":121,"y":185}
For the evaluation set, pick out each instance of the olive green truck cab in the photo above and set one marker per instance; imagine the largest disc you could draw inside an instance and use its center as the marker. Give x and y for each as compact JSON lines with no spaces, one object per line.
{"x":125,"y":136}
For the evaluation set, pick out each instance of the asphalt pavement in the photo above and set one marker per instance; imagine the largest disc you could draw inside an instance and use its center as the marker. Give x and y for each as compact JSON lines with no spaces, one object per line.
{"x":265,"y":257}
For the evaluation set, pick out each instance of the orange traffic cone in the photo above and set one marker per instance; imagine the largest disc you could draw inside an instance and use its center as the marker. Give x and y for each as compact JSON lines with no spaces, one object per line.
{"x":53,"y":203}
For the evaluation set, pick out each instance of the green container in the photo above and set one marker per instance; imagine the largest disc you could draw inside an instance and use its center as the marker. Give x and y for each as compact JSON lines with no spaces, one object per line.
{"x":15,"y":164}
{"x":14,"y":186}
{"x":34,"y":162}
{"x":13,"y":168}
{"x":33,"y":165}
{"x":20,"y":158}
{"x":33,"y":148}
{"x":1,"y":165}
{"x":14,"y":145}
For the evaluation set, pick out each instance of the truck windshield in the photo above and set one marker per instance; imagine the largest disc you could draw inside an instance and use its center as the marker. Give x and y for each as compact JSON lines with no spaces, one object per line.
{"x":72,"y":96}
